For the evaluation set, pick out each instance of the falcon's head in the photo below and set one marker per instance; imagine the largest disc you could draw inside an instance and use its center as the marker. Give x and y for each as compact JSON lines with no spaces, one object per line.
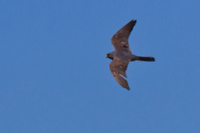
{"x":110,"y":55}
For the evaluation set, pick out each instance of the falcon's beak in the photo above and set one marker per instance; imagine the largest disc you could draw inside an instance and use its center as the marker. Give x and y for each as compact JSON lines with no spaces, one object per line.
{"x":107,"y":56}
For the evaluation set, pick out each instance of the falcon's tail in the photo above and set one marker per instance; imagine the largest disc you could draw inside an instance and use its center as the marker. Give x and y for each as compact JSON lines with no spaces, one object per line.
{"x":140,"y":58}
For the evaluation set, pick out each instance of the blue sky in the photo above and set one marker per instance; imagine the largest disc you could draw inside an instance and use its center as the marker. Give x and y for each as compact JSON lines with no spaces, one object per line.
{"x":55,"y":77}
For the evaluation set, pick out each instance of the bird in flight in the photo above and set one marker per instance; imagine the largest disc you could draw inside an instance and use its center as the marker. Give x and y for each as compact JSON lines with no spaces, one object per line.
{"x":122,"y":54}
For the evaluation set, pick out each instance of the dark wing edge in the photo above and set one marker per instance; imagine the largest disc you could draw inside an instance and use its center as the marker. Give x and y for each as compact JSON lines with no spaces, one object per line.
{"x":118,"y":69}
{"x":121,"y":81}
{"x":120,"y":38}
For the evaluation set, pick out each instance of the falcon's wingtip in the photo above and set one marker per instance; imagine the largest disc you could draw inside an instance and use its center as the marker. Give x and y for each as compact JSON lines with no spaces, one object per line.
{"x":134,"y":20}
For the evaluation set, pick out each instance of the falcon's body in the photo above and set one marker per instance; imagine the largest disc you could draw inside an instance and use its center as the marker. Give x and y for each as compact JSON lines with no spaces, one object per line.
{"x":122,"y":54}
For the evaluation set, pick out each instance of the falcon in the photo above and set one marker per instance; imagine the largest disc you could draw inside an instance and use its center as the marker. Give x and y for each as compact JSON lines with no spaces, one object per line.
{"x":122,"y":54}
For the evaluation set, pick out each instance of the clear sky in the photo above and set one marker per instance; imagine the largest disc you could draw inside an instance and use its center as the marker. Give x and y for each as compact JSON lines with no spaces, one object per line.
{"x":54,"y":77}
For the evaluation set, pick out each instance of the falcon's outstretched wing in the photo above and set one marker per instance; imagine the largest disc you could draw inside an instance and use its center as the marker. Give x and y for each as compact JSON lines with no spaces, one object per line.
{"x":120,"y":39}
{"x":118,"y":69}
